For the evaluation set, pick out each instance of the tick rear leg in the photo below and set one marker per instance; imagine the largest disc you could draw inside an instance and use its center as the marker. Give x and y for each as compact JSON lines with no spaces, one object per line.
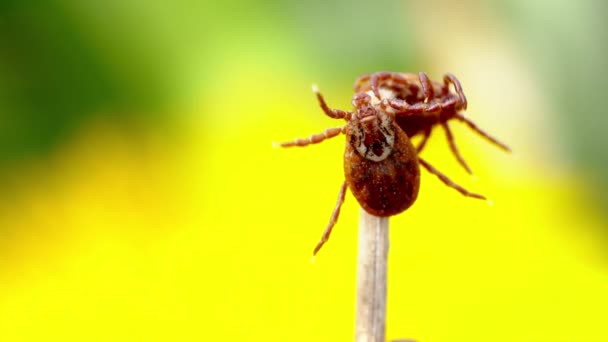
{"x":450,"y":137}
{"x":479,"y":131}
{"x":448,"y":181}
{"x":332,"y":113}
{"x":316,"y":138}
{"x":332,"y":220}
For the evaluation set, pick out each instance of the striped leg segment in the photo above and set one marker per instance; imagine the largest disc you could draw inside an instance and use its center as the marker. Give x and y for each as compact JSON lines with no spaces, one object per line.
{"x":332,"y":220}
{"x":316,"y":138}
{"x":454,"y":148}
{"x":448,"y":181}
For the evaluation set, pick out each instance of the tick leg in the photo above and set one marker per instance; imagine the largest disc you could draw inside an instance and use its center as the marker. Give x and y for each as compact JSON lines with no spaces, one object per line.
{"x":402,"y":107}
{"x":383,"y":76}
{"x":332,"y":220}
{"x":448,"y":181}
{"x":450,"y":136}
{"x":429,"y":105}
{"x":332,"y":113}
{"x":361,"y":81}
{"x":316,"y":138}
{"x":449,"y":78}
{"x":429,"y":94}
{"x":427,"y":134}
{"x":427,"y":86}
{"x":479,"y":131}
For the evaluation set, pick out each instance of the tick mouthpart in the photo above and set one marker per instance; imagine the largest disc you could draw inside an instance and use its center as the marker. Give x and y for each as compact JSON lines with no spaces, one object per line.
{"x":361,"y":99}
{"x":367,"y":118}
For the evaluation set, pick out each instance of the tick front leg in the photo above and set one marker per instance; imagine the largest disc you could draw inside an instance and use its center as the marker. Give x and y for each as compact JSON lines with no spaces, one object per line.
{"x":404,"y":108}
{"x":449,"y":78}
{"x":316,"y":138}
{"x":448,"y":181}
{"x":428,"y":92}
{"x":427,"y":87}
{"x":383,"y":76}
{"x":479,"y":131}
{"x":361,"y":81}
{"x":332,"y":113}
{"x":450,"y":137}
{"x":332,"y":220}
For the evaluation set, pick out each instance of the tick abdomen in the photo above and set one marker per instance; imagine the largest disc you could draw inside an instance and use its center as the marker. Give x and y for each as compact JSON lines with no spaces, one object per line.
{"x":386,"y":187}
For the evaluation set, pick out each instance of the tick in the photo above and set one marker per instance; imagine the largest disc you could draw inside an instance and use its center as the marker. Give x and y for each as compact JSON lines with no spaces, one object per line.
{"x":420,"y":104}
{"x":381,"y":166}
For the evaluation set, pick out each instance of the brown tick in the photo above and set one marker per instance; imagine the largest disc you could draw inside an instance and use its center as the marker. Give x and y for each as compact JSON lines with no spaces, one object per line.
{"x":419,"y":104}
{"x":381,"y":166}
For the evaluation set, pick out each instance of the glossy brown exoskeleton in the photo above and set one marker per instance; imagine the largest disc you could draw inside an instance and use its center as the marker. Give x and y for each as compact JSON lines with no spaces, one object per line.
{"x":380,"y":163}
{"x":381,"y":166}
{"x":420,"y":104}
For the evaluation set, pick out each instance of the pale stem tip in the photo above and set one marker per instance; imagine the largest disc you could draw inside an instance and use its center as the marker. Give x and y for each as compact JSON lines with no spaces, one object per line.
{"x":312,"y":260}
{"x":490,"y":202}
{"x":315,"y":88}
{"x":474,"y":177}
{"x":276,"y":144}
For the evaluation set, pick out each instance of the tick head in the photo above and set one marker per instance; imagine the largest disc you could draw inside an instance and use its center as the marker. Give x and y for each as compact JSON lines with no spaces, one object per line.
{"x":365,"y":111}
{"x":361,"y":99}
{"x":371,"y":130}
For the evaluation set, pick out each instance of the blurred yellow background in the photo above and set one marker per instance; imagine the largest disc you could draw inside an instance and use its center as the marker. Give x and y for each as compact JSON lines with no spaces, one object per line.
{"x":142,"y":199}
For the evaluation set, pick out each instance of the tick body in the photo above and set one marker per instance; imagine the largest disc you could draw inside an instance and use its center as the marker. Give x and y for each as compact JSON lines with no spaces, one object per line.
{"x":420,"y":104}
{"x":381,"y":166}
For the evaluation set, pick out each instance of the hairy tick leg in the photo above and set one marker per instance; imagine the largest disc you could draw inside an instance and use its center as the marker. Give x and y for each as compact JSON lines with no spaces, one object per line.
{"x":361,"y":81}
{"x":402,"y":107}
{"x":332,"y":220}
{"x":374,"y":83}
{"x":332,"y":113}
{"x":427,"y":86}
{"x":450,"y":137}
{"x":383,"y":77}
{"x":448,"y":181}
{"x":316,"y":138}
{"x":449,"y":78}
{"x":479,"y":131}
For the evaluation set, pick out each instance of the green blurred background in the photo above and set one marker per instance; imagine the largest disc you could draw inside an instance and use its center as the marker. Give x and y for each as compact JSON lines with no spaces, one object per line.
{"x":141,"y":198}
